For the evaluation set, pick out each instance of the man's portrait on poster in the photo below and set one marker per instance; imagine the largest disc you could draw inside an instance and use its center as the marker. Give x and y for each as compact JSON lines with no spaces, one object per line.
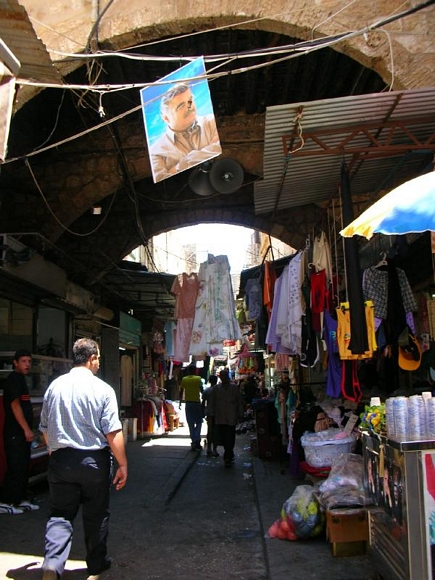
{"x":180,"y":124}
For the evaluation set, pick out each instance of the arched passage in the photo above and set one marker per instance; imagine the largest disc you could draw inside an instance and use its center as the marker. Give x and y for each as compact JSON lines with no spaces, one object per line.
{"x":55,"y":199}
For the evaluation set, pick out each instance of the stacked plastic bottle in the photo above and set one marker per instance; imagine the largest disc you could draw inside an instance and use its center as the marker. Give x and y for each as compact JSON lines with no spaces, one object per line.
{"x":411,"y":418}
{"x":430,"y":417}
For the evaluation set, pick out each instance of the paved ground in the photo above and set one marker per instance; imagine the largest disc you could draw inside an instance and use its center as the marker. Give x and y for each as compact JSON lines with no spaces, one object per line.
{"x":183,"y":515}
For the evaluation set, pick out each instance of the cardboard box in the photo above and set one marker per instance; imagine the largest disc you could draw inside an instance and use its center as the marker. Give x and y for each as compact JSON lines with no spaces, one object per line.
{"x":347,"y":525}
{"x":348,"y":549}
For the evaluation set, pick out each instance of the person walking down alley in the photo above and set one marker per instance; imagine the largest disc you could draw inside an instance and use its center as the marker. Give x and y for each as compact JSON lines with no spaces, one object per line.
{"x":18,"y":436}
{"x":191,"y":387}
{"x":212,"y":435}
{"x":81,"y":426}
{"x":226,"y":405}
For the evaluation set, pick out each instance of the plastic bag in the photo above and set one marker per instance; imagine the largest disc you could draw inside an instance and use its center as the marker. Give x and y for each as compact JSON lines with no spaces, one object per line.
{"x":344,"y":485}
{"x":301,"y":516}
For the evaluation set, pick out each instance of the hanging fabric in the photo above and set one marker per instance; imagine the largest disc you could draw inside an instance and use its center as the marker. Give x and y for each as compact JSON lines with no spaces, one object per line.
{"x":215,"y":310}
{"x":359,"y":341}
{"x":268,"y":287}
{"x":309,"y":355}
{"x":185,"y":289}
{"x":253,"y":298}
{"x":322,"y":256}
{"x":334,"y":366}
{"x":350,"y":386}
{"x":389,"y":289}
{"x":318,"y":298}
{"x":344,"y":331}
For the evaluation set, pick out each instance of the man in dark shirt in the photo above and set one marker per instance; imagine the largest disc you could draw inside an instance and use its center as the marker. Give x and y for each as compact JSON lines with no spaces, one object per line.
{"x":17,"y":435}
{"x":226,"y":406}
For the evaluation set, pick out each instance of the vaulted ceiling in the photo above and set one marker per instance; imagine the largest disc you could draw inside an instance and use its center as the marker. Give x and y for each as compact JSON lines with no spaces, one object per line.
{"x":47,"y":197}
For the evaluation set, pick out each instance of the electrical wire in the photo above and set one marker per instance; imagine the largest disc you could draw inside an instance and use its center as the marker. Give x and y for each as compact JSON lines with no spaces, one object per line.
{"x":331,"y":16}
{"x":55,"y":124}
{"x":291,"y":51}
{"x":110,"y":88}
{"x":63,"y":226}
{"x":391,"y":57}
{"x":301,"y":46}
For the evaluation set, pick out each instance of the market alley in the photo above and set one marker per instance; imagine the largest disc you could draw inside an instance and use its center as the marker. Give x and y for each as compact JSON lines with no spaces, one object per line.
{"x":184,"y":515}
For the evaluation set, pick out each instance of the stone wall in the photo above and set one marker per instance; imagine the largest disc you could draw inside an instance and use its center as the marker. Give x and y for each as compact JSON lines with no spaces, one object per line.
{"x":402,"y":52}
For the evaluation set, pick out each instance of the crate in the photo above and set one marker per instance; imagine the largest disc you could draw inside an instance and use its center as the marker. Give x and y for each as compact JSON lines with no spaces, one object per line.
{"x":348,"y":549}
{"x":347,"y":530}
{"x":347,"y":525}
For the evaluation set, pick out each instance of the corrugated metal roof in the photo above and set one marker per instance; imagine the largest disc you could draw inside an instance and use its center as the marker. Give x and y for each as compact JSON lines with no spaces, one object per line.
{"x":19,"y":35}
{"x":313,"y":174}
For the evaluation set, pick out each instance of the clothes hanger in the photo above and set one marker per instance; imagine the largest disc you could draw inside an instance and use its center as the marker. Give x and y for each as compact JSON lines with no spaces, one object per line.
{"x":383,"y":260}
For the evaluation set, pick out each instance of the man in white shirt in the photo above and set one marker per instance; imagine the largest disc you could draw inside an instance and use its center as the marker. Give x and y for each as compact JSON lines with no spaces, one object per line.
{"x":81,"y":426}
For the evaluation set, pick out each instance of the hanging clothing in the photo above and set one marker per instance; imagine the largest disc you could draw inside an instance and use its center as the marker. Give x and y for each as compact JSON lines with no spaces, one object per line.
{"x":344,"y":331}
{"x":334,"y":368}
{"x":322,"y":256}
{"x":296,"y":304}
{"x":309,"y":345}
{"x":350,"y":386}
{"x":253,"y":298}
{"x":282,"y":361}
{"x":185,"y":289}
{"x":284,"y":333}
{"x":268,"y":287}
{"x":169,"y":331}
{"x":318,"y":298}
{"x":272,"y":339}
{"x":182,"y":336}
{"x":215,"y":310}
{"x":375,"y":287}
{"x":290,"y":308}
{"x":359,"y":337}
{"x":281,"y":327}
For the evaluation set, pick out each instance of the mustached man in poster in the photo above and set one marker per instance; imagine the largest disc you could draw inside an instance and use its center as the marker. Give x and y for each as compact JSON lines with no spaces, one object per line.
{"x":180,"y":124}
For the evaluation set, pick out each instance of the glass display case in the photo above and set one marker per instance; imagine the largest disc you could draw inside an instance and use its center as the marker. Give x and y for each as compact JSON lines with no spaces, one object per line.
{"x":400,"y":477}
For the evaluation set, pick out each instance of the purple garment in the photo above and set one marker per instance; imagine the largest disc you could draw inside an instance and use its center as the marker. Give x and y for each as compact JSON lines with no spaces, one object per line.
{"x":334,"y":371}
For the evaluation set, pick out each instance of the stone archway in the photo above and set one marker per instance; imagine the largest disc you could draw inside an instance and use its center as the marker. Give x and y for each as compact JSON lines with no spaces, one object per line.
{"x":67,"y":28}
{"x":82,"y":174}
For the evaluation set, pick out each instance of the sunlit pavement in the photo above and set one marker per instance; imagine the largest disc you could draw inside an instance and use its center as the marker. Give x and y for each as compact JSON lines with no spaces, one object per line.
{"x":182,"y":514}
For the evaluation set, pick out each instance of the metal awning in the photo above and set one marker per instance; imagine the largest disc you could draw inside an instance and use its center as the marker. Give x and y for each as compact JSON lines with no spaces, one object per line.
{"x":147,"y":293}
{"x":18,"y":34}
{"x":381,"y":136}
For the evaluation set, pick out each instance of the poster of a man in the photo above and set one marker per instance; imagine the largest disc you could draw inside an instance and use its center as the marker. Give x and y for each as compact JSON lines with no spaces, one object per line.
{"x":179,"y":122}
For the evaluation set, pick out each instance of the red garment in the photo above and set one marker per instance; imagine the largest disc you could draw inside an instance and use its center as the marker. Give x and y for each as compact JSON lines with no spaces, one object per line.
{"x":185,"y":289}
{"x":268,"y":287}
{"x":318,"y":295}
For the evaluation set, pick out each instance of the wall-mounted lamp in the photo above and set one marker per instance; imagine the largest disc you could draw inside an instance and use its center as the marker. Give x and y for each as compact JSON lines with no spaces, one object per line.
{"x":97,"y":209}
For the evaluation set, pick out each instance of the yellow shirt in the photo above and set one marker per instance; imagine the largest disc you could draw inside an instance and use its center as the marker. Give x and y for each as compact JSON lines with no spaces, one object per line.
{"x":192,"y":385}
{"x":343,"y":331}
